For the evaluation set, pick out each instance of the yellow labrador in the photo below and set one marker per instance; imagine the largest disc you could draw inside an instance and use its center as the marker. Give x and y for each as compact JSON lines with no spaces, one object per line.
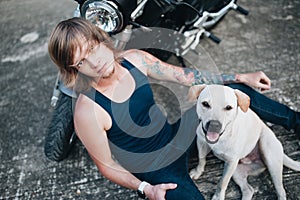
{"x":237,"y":136}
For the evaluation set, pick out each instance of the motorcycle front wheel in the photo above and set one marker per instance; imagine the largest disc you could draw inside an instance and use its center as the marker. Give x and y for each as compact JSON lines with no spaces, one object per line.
{"x":61,"y":135}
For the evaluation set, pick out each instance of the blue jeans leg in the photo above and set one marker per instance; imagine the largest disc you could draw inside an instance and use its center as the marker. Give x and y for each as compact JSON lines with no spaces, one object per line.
{"x":177,"y":172}
{"x":268,"y":109}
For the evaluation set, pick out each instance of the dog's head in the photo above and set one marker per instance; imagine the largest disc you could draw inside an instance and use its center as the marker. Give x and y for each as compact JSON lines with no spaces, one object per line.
{"x":217,"y":106}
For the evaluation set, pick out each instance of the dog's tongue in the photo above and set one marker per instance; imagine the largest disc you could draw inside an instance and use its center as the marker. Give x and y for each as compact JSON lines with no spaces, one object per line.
{"x":212,"y":136}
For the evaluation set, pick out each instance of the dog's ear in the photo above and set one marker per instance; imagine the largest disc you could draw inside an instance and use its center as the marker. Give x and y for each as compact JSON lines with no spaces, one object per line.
{"x":243,"y":100}
{"x":195,"y":91}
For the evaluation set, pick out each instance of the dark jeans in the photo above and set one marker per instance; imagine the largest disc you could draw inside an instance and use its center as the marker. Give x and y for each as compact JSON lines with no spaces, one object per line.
{"x":177,"y":173}
{"x":268,"y":109}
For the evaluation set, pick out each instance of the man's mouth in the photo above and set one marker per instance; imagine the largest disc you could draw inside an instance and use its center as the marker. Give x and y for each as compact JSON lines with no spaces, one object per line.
{"x":109,"y":75}
{"x":103,"y":69}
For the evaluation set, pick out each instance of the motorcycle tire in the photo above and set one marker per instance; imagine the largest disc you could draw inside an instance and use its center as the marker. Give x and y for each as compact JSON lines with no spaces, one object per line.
{"x":61,"y":135}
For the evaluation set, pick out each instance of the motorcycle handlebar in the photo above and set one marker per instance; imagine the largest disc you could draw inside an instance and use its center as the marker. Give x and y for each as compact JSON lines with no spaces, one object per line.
{"x":214,"y":38}
{"x":242,"y":10}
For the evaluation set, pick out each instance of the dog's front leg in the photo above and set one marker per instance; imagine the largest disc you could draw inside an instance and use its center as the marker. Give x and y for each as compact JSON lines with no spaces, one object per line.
{"x":228,"y":171}
{"x":203,"y":150}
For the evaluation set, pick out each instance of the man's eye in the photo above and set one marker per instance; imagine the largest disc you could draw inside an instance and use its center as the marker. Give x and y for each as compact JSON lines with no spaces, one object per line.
{"x":91,"y":48}
{"x":80,"y":63}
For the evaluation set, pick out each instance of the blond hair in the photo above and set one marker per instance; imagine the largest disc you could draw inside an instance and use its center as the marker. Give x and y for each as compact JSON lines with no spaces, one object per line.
{"x":64,"y":40}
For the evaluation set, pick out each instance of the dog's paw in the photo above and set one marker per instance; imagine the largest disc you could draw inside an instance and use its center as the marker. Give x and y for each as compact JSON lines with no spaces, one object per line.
{"x":195,"y":174}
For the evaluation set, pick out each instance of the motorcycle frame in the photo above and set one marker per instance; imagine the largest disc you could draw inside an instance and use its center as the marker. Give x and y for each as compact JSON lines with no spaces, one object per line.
{"x":201,"y":26}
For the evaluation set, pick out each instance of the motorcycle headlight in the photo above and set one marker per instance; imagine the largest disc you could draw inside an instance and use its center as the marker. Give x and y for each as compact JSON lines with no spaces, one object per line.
{"x":104,"y":14}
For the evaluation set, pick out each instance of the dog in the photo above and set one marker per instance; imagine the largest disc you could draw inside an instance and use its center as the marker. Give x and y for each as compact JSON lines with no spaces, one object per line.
{"x":236,"y":135}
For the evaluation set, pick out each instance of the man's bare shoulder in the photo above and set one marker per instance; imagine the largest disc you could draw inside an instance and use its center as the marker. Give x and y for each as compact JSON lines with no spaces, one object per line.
{"x":137,"y":58}
{"x":87,"y":111}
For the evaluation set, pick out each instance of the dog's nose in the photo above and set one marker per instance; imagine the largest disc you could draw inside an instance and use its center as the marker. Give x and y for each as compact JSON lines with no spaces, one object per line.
{"x":213,"y":126}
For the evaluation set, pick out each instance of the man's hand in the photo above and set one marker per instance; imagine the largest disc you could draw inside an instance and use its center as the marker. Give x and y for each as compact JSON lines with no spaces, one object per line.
{"x":158,"y":192}
{"x":257,"y":80}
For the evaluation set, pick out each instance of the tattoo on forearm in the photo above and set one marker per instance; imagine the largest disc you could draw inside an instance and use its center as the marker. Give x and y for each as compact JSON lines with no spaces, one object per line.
{"x":196,"y":77}
{"x":228,"y":78}
{"x":207,"y":77}
{"x":185,"y":76}
{"x":153,"y":64}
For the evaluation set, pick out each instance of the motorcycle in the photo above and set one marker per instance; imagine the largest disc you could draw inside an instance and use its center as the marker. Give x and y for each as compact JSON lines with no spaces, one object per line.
{"x":136,"y":24}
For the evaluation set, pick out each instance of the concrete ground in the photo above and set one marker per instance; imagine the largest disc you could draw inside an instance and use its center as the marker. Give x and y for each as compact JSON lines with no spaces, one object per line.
{"x":267,"y":39}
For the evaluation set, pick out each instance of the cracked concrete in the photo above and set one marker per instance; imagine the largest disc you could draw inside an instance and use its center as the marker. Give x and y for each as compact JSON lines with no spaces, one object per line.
{"x":267,"y":39}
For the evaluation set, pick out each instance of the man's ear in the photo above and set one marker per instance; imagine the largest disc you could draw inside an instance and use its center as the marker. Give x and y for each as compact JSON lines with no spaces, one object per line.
{"x":195,"y":91}
{"x":243,"y":100}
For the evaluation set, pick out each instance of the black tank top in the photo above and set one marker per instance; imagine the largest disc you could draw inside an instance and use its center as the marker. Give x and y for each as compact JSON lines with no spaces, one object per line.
{"x":140,"y":135}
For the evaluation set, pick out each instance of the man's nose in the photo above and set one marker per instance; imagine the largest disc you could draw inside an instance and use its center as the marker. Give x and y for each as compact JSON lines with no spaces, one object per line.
{"x":93,"y":61}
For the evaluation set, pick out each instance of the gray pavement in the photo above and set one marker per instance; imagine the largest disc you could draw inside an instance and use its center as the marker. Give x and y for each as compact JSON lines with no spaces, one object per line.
{"x":267,"y":39}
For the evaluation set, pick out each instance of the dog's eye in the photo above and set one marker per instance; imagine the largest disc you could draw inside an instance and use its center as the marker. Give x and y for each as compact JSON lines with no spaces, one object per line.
{"x":205,"y":104}
{"x":228,"y":107}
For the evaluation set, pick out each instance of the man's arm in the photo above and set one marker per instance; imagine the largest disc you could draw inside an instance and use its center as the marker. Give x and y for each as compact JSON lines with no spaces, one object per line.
{"x":160,"y":70}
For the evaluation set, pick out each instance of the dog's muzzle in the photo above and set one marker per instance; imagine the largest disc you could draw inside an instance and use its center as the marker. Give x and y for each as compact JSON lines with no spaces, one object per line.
{"x":212,"y":131}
